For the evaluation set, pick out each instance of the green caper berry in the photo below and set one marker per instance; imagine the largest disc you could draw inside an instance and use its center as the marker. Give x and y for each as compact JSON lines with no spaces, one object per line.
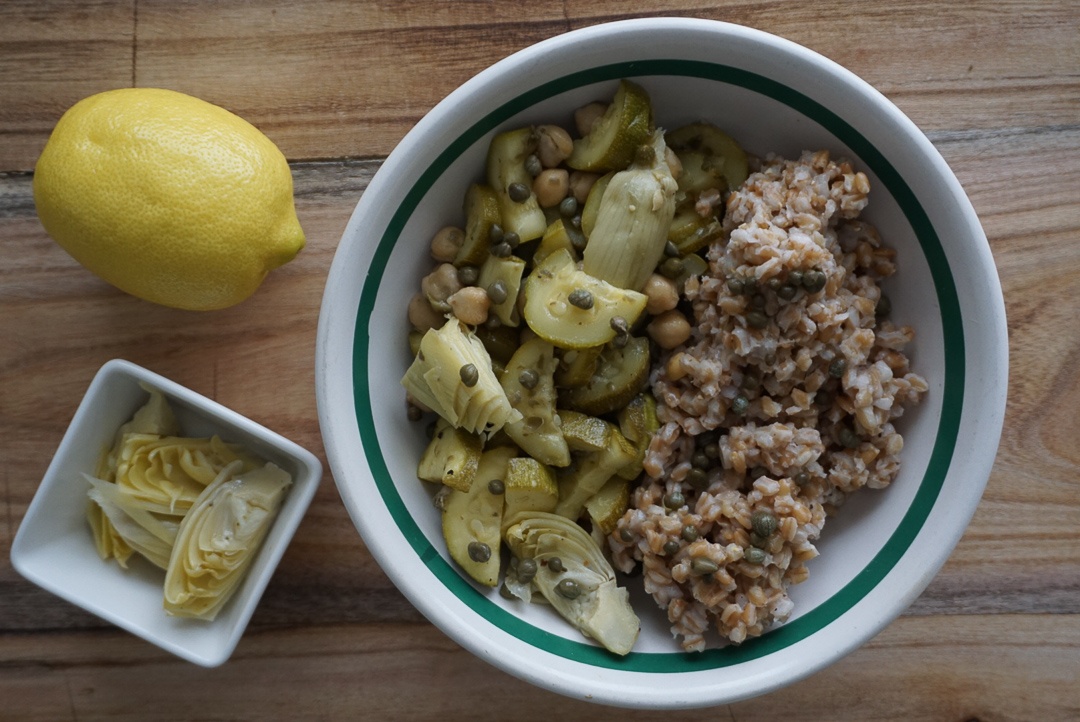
{"x":837,"y":368}
{"x":750,"y":380}
{"x":619,"y":326}
{"x":555,"y":564}
{"x":674,"y":500}
{"x":533,"y":166}
{"x":671,"y":268}
{"x":735,"y":286}
{"x":848,"y":438}
{"x":883,"y":307}
{"x":758,"y":301}
{"x":511,"y":239}
{"x":626,"y":535}
{"x":689,"y":533}
{"x":468,"y":275}
{"x":795,"y":278}
{"x":413,"y":413}
{"x":529,"y":378}
{"x":712,"y":450}
{"x":495,"y":233}
{"x":740,"y":405}
{"x":575,"y":222}
{"x":577,"y":239}
{"x":802,"y":478}
{"x":621,"y":340}
{"x":754,"y":555}
{"x":814,"y":281}
{"x":750,"y":286}
{"x":702,"y":566}
{"x":518,"y":192}
{"x":568,"y":207}
{"x":505,"y":593}
{"x":786,"y":292}
{"x":699,"y":460}
{"x":757,"y":319}
{"x":698,"y":478}
{"x":568,"y":589}
{"x":497,"y":292}
{"x":501,"y":250}
{"x":479,"y":552}
{"x":756,"y":540}
{"x":773,"y":284}
{"x":526,"y":570}
{"x":496,"y":487}
{"x":764,"y":523}
{"x":645,"y":155}
{"x":469,"y":375}
{"x":671,"y":250}
{"x":581,"y":298}
{"x":671,"y":547}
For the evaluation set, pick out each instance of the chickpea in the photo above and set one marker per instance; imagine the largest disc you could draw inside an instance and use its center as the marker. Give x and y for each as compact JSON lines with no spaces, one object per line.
{"x":446,"y":244}
{"x":553,"y":145}
{"x":662,"y":293}
{"x":470,"y":305}
{"x":422,"y":316}
{"x":586,"y":116}
{"x":439,"y":285}
{"x":581,"y":182}
{"x":669,"y":329}
{"x":551,"y":186}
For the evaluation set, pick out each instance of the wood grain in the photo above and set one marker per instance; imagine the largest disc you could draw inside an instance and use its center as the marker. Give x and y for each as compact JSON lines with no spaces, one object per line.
{"x":996,"y":635}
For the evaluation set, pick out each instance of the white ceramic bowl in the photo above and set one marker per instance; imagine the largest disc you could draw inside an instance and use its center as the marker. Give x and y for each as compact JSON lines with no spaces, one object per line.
{"x":54,"y":548}
{"x":771,"y":95}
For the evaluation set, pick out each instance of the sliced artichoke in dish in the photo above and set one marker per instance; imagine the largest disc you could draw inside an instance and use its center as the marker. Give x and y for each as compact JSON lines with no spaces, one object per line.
{"x":452,"y":376}
{"x":585,"y":592}
{"x":219,"y":538}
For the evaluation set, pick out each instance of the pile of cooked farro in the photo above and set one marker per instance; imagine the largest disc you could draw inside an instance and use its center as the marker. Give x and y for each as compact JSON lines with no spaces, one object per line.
{"x":780,"y":405}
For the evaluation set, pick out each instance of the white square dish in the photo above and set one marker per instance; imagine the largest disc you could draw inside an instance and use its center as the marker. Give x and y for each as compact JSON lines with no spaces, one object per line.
{"x":54,"y":548}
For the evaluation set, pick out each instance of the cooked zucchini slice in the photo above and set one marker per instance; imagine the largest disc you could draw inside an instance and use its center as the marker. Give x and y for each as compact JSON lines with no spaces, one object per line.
{"x":707,"y":152}
{"x":558,"y":237}
{"x":508,"y":271}
{"x":612,"y":142}
{"x":576,"y":366}
{"x":481,"y":213}
{"x":530,"y":487}
{"x":451,"y":457}
{"x":472,"y":520}
{"x":590,"y":472}
{"x":690,"y":231}
{"x":608,"y":505}
{"x":583,"y":432}
{"x":530,"y":389}
{"x":621,"y":374}
{"x":506,"y":168}
{"x":592,"y":203}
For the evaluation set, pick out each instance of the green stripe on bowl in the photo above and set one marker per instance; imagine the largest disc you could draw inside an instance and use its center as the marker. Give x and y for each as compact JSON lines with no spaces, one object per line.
{"x":929,"y":488}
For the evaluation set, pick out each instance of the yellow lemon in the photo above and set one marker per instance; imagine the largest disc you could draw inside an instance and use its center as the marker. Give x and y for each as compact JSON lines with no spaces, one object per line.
{"x":167,"y":197}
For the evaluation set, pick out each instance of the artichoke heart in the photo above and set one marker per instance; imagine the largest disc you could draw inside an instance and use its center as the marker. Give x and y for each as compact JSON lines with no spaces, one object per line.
{"x":437,"y":378}
{"x":632,"y":221}
{"x":585,"y":593}
{"x":219,"y":537}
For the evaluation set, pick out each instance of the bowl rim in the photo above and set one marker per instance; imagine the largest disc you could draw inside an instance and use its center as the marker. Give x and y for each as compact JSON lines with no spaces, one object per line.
{"x":945,"y":286}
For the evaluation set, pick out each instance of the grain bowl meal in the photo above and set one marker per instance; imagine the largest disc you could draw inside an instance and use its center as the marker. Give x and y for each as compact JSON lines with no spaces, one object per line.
{"x":645,"y":351}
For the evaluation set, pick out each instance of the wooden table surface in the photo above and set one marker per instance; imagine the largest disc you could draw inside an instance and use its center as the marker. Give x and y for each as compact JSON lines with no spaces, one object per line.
{"x":995,"y":85}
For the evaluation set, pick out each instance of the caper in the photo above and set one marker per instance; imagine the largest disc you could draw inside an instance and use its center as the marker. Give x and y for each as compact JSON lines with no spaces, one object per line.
{"x":671,"y":250}
{"x":764,"y":523}
{"x":699,"y":460}
{"x":501,"y":250}
{"x":814,"y":281}
{"x":479,"y":552}
{"x":750,"y":380}
{"x":837,"y":367}
{"x":848,"y":438}
{"x":698,"y":478}
{"x":533,"y":166}
{"x":529,"y":378}
{"x":757,"y":540}
{"x":689,"y":533}
{"x":802,"y":478}
{"x":712,"y":450}
{"x":575,"y":222}
{"x":619,"y":326}
{"x":505,"y":593}
{"x":674,"y":500}
{"x":526,"y":570}
{"x":735,"y":286}
{"x":495,"y":233}
{"x":496,"y":487}
{"x":671,"y":547}
{"x":757,"y":319}
{"x":497,"y":292}
{"x":468,"y":275}
{"x":757,"y":472}
{"x":702,"y":566}
{"x":740,"y":405}
{"x":773,"y":284}
{"x":671,"y":268}
{"x":469,"y":375}
{"x":626,"y":535}
{"x":555,"y":564}
{"x":581,"y":298}
{"x":754,"y":555}
{"x":511,"y":239}
{"x":568,"y":589}
{"x":621,"y":340}
{"x":883,"y":307}
{"x":749,"y":286}
{"x":795,"y":278}
{"x":518,"y":192}
{"x":568,"y":207}
{"x":757,"y":301}
{"x":645,"y":155}
{"x":786,"y":292}
{"x":414,"y":413}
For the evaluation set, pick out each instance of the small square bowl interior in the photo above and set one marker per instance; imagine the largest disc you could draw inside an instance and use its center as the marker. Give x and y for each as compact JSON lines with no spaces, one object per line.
{"x":55,"y":550}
